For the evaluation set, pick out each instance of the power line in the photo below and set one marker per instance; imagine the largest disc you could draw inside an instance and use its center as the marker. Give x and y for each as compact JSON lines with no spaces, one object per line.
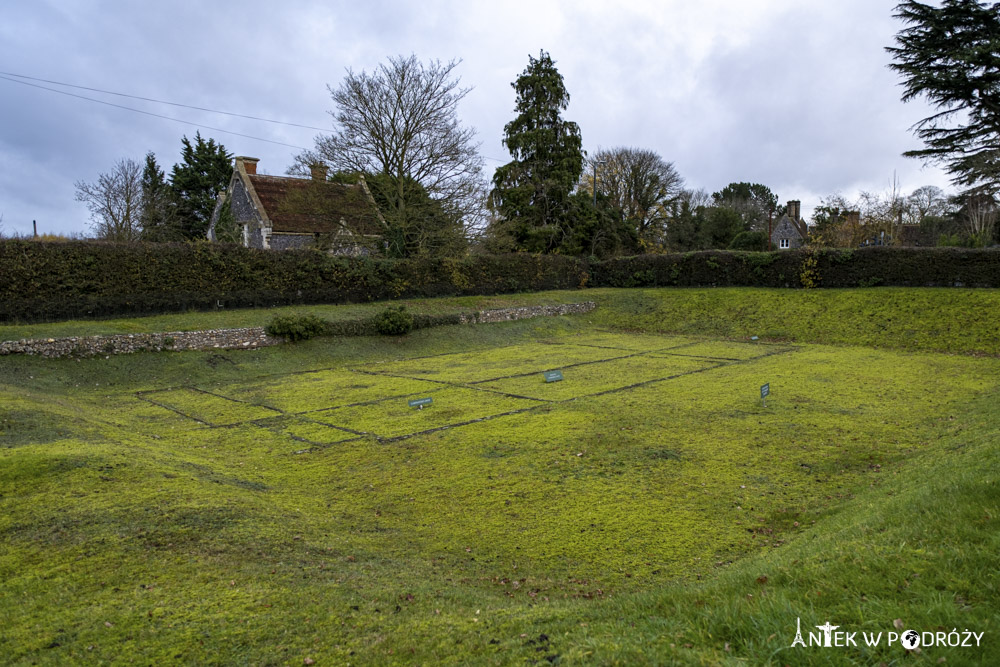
{"x":155,"y":115}
{"x":150,"y":99}
{"x":6,"y":76}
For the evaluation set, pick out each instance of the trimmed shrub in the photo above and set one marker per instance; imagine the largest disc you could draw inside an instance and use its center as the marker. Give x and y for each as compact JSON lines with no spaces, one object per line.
{"x":367,"y":326}
{"x":297,"y":327}
{"x":393,"y":322}
{"x":753,"y":241}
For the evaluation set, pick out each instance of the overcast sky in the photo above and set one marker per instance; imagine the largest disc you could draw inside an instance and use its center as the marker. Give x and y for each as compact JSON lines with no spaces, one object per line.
{"x":794,"y":94}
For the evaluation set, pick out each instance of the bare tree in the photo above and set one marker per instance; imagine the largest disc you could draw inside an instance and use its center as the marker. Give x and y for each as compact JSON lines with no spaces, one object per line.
{"x":874,"y":217}
{"x":882,"y":213}
{"x":401,"y":120}
{"x":115,"y":201}
{"x":980,"y":217}
{"x":696,"y":198}
{"x":639,"y":183}
{"x":928,"y":200}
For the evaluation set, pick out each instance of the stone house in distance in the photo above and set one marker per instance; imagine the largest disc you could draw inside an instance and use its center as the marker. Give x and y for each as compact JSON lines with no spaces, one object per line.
{"x":283,"y":212}
{"x":790,"y":231}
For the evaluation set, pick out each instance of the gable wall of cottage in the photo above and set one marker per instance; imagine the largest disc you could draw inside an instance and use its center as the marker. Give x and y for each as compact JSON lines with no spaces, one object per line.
{"x":786,"y":230}
{"x":245,"y":214}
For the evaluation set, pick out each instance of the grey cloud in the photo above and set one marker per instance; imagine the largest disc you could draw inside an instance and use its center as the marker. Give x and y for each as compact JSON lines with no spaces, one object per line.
{"x":794,"y":95}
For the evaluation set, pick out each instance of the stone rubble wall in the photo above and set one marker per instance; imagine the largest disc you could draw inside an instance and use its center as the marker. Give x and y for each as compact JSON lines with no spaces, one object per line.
{"x":86,"y":346}
{"x":509,"y":314}
{"x":228,"y":339}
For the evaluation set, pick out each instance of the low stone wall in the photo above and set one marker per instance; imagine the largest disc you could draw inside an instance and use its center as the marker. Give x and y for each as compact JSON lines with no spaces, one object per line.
{"x":508,"y":314}
{"x":244,"y":339}
{"x":86,"y":346}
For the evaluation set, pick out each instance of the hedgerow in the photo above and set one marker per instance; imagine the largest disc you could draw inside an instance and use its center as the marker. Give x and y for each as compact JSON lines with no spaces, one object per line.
{"x":863,"y":267}
{"x":52,"y":281}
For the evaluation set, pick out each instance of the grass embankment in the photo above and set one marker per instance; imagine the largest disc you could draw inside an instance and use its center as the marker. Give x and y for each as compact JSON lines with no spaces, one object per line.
{"x":249,"y":317}
{"x":676,"y":521}
{"x":961,"y":321}
{"x":948,"y":320}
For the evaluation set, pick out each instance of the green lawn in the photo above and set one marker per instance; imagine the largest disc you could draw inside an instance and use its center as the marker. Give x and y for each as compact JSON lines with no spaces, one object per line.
{"x":285,"y":504}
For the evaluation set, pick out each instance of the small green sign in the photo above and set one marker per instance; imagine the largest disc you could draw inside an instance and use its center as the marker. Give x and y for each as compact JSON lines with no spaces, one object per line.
{"x":765,"y":390}
{"x":553,"y":376}
{"x":420,"y":402}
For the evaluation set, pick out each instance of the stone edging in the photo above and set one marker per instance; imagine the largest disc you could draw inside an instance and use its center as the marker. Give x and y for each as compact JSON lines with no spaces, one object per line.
{"x":227,"y":339}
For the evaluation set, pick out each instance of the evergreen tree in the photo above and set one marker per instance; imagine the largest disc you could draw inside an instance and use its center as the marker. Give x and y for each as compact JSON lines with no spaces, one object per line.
{"x":195,"y":183}
{"x":684,"y":226}
{"x":830,"y":223}
{"x":155,"y":218}
{"x":719,"y":226}
{"x":597,"y":231}
{"x":532,"y":192}
{"x":951,"y":55}
{"x":424,"y":227}
{"x":226,"y":229}
{"x":752,"y":241}
{"x":752,"y":202}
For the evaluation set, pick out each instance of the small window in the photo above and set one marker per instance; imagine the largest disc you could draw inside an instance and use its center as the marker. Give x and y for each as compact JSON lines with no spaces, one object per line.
{"x":784,"y":243}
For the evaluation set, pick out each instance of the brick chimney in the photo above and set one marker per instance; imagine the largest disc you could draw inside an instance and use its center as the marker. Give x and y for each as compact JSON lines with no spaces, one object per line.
{"x":794,"y":208}
{"x":318,"y":172}
{"x":249,"y":164}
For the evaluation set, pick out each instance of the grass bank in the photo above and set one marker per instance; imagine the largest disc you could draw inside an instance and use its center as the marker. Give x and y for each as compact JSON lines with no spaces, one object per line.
{"x":960,"y":321}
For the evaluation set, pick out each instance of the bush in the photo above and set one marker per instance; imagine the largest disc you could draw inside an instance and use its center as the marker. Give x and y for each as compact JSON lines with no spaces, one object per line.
{"x":393,"y":322}
{"x":753,"y":241}
{"x":297,"y":327}
{"x":952,"y":241}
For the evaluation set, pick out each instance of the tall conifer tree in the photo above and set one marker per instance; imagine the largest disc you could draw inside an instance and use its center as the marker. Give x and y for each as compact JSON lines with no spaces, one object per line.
{"x":196,"y":181}
{"x":155,"y":218}
{"x":532,"y":192}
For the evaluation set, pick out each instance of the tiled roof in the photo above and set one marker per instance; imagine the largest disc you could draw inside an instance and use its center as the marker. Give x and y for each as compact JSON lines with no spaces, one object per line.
{"x":301,"y":205}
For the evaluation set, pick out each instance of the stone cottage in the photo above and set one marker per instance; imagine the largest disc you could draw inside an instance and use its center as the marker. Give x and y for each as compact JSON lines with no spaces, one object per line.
{"x":283,"y":212}
{"x":790,"y":231}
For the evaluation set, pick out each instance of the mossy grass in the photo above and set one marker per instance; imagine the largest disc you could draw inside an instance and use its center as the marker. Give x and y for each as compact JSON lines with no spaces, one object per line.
{"x":955,"y":321}
{"x":209,"y":507}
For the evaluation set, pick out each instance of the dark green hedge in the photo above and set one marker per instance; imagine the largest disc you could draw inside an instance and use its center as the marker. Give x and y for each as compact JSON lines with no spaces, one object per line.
{"x":863,"y":267}
{"x":49,"y":281}
{"x":306,"y":326}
